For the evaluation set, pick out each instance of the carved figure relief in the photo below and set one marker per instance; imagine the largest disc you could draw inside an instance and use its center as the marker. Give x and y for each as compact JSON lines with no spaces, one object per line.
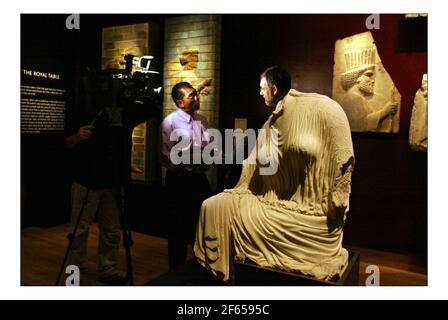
{"x":418,"y":131}
{"x":189,"y":59}
{"x":363,"y":87}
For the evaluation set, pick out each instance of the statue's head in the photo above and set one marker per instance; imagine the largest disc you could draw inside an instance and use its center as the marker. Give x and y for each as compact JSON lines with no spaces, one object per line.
{"x":366,"y":82}
{"x":189,"y":58}
{"x":360,"y":70}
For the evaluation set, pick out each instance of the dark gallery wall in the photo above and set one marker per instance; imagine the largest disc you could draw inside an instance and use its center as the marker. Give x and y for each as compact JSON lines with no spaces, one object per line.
{"x":45,"y":186}
{"x":388,"y":208}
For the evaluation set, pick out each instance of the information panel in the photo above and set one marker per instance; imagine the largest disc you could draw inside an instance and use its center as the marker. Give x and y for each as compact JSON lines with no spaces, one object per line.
{"x":42,"y":102}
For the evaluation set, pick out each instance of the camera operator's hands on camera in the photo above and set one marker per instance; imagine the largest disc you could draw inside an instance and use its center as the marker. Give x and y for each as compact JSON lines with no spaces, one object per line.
{"x":84,"y":133}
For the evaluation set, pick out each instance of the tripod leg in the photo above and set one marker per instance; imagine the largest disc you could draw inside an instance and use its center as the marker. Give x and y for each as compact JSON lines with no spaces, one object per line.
{"x":71,"y":237}
{"x":127,"y":240}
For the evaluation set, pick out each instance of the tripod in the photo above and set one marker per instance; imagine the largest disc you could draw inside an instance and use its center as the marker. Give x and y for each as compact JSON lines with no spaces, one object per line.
{"x":126,"y":233}
{"x":120,"y":198}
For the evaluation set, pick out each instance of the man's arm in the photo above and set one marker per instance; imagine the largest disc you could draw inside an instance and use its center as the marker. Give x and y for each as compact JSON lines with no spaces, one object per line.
{"x":165,"y":144}
{"x":83,"y":133}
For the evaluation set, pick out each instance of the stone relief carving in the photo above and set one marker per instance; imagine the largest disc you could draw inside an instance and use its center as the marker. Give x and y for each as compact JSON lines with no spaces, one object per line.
{"x":204,"y":87}
{"x":363,"y":87}
{"x":189,"y":59}
{"x":418,"y":131}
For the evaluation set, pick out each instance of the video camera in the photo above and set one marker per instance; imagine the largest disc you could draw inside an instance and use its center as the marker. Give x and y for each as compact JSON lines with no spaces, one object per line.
{"x":124,"y":97}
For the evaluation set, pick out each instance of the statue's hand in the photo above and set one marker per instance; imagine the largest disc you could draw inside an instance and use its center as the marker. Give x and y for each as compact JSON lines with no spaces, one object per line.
{"x":390,"y":110}
{"x":393,"y":108}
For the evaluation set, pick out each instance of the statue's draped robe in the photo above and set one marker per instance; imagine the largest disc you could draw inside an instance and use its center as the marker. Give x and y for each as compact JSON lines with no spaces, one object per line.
{"x":291,"y":220}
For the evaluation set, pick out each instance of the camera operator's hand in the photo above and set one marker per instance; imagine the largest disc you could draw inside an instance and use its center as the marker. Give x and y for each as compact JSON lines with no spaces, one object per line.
{"x":84,"y":133}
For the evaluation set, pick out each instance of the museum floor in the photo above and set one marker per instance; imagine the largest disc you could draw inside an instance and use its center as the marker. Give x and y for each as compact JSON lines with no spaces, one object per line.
{"x":42,"y":251}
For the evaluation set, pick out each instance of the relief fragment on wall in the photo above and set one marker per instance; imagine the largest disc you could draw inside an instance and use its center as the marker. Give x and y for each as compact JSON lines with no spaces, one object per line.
{"x":189,"y":59}
{"x":363,"y":87}
{"x":418,"y":132}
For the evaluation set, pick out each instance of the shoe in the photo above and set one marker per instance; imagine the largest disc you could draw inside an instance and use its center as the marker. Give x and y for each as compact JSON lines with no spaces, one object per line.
{"x":113,"y":280}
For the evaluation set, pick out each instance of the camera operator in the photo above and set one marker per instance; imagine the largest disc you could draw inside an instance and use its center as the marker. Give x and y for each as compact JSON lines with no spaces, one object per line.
{"x":101,"y":147}
{"x":186,"y":184}
{"x":95,"y":182}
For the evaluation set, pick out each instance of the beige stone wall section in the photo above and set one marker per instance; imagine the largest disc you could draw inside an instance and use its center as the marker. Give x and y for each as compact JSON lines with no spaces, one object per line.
{"x":116,"y":43}
{"x":200,"y":34}
{"x":121,"y":40}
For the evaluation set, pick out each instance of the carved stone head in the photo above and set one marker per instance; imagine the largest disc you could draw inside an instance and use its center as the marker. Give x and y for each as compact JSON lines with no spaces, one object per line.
{"x":360,"y":70}
{"x":189,"y":59}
